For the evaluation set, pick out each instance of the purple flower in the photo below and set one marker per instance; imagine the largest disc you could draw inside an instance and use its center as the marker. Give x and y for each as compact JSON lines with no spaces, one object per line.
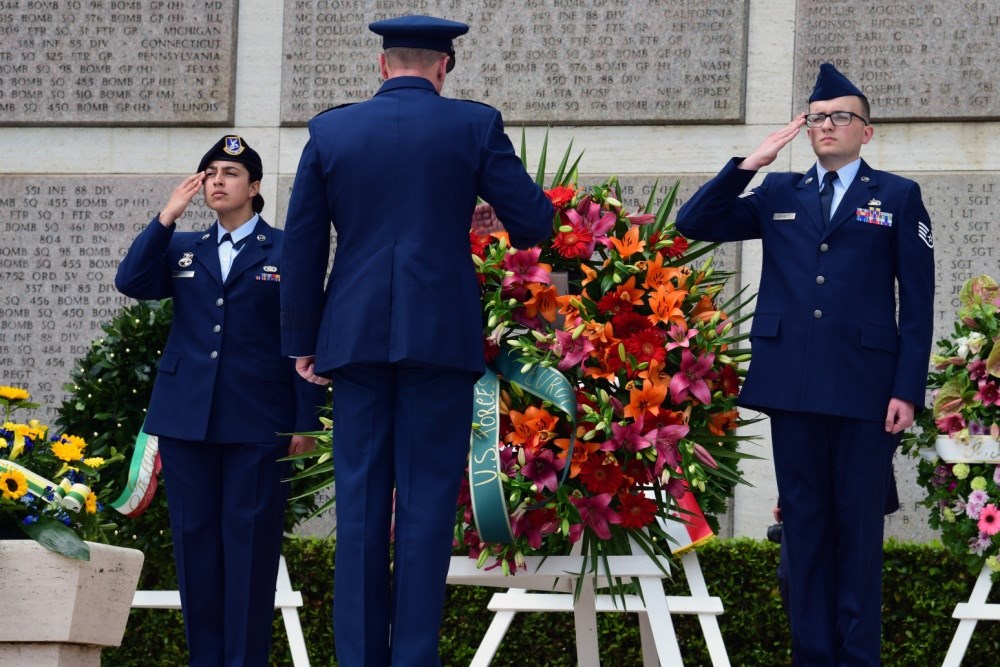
{"x":596,"y":514}
{"x":523,"y":264}
{"x":665,"y":440}
{"x":691,"y":377}
{"x":541,"y":468}
{"x":628,"y":437}
{"x":979,"y":545}
{"x":977,"y":500}
{"x":988,"y":394}
{"x":572,"y":352}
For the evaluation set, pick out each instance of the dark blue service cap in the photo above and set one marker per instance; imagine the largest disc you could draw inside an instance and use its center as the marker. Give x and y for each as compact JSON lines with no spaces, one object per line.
{"x":831,"y":84}
{"x":420,"y":32}
{"x":233,"y":148}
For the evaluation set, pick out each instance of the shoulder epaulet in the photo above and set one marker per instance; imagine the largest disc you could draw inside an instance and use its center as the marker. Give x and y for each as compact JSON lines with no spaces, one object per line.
{"x":482,"y":104}
{"x":339,"y":106}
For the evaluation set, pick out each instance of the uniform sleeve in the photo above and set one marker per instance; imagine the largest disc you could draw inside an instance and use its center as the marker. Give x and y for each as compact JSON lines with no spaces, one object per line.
{"x":304,"y":257}
{"x":720,"y":210}
{"x":520,"y":204}
{"x":309,"y":400}
{"x":143,"y":272}
{"x":915,"y":280}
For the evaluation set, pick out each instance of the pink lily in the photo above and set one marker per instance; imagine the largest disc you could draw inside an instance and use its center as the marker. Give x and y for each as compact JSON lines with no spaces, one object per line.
{"x":524,"y":268}
{"x":988,"y":393}
{"x":572,"y":353}
{"x":665,"y":439}
{"x":541,"y":468}
{"x":596,"y":514}
{"x":691,"y":378}
{"x":628,"y":437}
{"x":679,"y":336}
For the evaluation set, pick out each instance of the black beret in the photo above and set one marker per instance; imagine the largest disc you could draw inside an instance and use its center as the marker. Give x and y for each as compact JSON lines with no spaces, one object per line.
{"x":233,"y":148}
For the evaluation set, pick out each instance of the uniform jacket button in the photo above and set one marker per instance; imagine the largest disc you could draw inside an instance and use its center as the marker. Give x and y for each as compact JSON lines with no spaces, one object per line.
{"x":820,"y":280}
{"x":214,"y":354}
{"x":817,"y":313}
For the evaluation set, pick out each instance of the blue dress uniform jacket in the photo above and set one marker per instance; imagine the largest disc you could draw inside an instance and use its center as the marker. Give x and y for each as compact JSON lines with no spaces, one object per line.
{"x":221,"y":377}
{"x":825,"y":336}
{"x":403,"y":286}
{"x":399,"y":331}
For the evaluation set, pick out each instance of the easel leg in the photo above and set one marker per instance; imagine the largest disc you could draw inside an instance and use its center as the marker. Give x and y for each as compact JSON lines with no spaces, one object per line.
{"x":960,"y":642}
{"x":585,"y":620}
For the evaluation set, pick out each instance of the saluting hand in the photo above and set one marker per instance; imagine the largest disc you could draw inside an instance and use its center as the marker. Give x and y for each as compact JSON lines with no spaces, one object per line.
{"x":181,"y":197}
{"x":768,"y":151}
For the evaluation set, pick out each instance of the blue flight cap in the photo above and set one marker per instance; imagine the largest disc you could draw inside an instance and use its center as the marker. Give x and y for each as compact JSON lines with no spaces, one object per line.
{"x":420,"y":32}
{"x":831,"y":84}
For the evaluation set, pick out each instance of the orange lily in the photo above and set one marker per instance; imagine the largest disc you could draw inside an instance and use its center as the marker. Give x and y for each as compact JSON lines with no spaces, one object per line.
{"x":543,"y":300}
{"x":721,"y":423}
{"x":629,"y":244}
{"x":647,"y":399}
{"x":582,"y":451}
{"x":629,"y":292}
{"x":532,"y":428}
{"x":655,"y":374}
{"x":658,"y":275}
{"x":666,"y":305}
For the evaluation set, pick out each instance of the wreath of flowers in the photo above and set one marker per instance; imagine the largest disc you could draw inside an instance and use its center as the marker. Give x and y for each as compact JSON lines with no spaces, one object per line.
{"x":57,"y":515}
{"x":641,"y":333}
{"x":963,"y":493}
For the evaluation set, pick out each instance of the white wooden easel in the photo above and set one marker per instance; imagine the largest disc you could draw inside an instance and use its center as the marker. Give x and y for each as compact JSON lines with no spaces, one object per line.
{"x":285,"y":599}
{"x":969,"y":613}
{"x":557,"y":576}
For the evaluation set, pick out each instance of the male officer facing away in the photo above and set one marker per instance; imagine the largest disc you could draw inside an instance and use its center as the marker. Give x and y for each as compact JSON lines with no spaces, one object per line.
{"x":399,"y":328}
{"x":836,"y":371}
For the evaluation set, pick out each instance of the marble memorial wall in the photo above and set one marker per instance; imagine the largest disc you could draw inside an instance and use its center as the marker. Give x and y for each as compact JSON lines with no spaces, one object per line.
{"x":170,"y":66}
{"x":118,"y":62}
{"x":538,"y":61}
{"x":63,"y":237}
{"x":915,"y":59}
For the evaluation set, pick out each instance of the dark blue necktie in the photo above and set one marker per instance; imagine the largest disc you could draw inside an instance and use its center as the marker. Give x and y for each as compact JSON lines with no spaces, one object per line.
{"x":826,"y":195}
{"x":236,"y":246}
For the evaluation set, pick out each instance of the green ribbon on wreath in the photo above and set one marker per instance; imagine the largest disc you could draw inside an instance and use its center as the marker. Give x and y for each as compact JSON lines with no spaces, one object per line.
{"x":489,"y":504}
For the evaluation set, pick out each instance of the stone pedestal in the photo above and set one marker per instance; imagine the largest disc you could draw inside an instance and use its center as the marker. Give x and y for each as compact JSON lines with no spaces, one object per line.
{"x":60,"y":612}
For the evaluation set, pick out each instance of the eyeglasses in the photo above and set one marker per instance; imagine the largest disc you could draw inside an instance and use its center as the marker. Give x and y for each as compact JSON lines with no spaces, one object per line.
{"x":839,"y":118}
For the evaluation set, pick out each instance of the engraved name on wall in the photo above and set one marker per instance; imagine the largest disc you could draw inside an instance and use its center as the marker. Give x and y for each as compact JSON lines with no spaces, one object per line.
{"x":117,"y":62}
{"x":537,"y":61}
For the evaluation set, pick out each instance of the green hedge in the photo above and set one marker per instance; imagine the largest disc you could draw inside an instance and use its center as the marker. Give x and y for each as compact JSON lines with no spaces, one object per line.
{"x":922,"y":584}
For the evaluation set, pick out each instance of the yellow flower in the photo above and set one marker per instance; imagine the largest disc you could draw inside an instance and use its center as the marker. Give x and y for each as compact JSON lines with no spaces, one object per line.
{"x":68,"y":448}
{"x":91,"y":503}
{"x":94,"y":461}
{"x":960,"y":470}
{"x":13,"y":393}
{"x":13,"y":485}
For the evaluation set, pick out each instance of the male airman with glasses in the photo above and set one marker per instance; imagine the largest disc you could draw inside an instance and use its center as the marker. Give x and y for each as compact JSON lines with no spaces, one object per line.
{"x":836,"y":370}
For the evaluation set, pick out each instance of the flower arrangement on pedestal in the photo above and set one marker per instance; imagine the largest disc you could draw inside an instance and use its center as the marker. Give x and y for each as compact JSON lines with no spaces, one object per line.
{"x":958,"y":446}
{"x":59,"y":515}
{"x":637,"y":408}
